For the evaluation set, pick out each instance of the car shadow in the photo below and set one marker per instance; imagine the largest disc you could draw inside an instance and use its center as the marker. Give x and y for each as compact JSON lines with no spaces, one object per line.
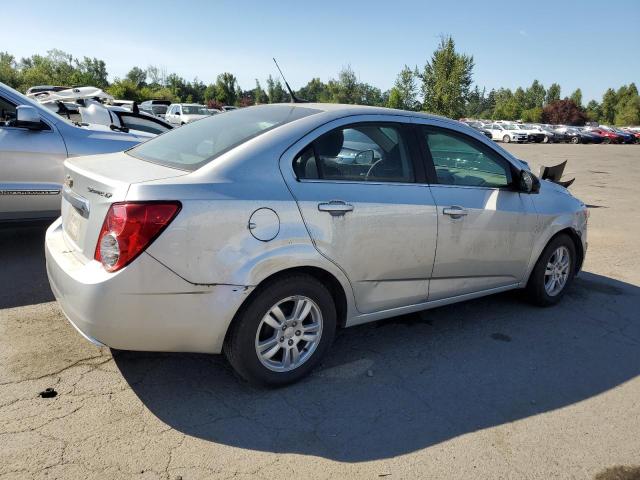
{"x":400,"y":385}
{"x":23,"y":272}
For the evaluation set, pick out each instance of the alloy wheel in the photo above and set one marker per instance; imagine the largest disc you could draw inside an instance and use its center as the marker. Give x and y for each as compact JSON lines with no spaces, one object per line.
{"x":289,"y":333}
{"x":557,"y":272}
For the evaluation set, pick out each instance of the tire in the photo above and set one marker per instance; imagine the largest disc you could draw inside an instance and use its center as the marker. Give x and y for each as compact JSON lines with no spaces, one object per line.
{"x":545,"y":139}
{"x":506,"y":139}
{"x":249,"y":327}
{"x":538,"y":289}
{"x":575,"y":140}
{"x":606,"y":140}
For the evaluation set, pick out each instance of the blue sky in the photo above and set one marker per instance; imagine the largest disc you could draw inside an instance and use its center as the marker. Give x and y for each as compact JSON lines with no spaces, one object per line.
{"x":588,"y":44}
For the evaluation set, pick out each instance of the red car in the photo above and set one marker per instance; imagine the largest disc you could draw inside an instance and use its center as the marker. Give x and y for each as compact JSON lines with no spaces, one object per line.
{"x":607,"y":136}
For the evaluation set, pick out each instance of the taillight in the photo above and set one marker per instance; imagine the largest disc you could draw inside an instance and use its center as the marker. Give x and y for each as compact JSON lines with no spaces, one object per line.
{"x":129,"y":228}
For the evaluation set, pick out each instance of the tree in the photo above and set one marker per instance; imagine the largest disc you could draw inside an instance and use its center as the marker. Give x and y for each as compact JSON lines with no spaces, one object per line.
{"x":226,"y":88}
{"x":608,"y":106}
{"x":532,"y":115}
{"x":553,"y":94}
{"x":90,"y":72}
{"x":576,"y":97}
{"x":593,"y":111}
{"x":137,"y":76}
{"x":259,"y":95}
{"x":404,"y":94}
{"x":627,"y":111}
{"x":535,"y":95}
{"x":564,"y":112}
{"x":157,"y":75}
{"x":275,"y":92}
{"x":315,"y":91}
{"x":446,"y":80}
{"x":506,"y":105}
{"x":346,"y":89}
{"x":9,"y":73}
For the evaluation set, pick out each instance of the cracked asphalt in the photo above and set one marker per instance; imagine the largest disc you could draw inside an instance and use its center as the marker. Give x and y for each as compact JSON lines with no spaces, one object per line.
{"x":492,"y":388}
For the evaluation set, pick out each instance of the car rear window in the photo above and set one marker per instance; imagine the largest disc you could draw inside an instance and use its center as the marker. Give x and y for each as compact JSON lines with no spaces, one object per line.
{"x":198,"y":143}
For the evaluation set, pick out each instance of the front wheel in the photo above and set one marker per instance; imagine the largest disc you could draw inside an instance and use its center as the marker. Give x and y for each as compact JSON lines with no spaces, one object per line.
{"x":506,"y":139}
{"x":545,"y":139}
{"x":283,"y":332}
{"x":575,"y":140}
{"x":606,"y":141}
{"x":553,"y":272}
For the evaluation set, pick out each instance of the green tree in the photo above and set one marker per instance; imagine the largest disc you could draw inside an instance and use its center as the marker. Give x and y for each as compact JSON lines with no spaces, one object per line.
{"x":137,"y":76}
{"x":576,"y":97}
{"x":226,"y":88}
{"x":259,"y":95}
{"x":90,"y":72}
{"x":532,"y":115}
{"x":608,"y":106}
{"x":535,"y":95}
{"x":446,"y":80}
{"x":627,"y":111}
{"x":553,"y":94}
{"x":593,"y":111}
{"x":315,"y":91}
{"x":346,"y":89}
{"x":404,"y":94}
{"x":506,"y":106}
{"x":275,"y":91}
{"x":9,"y":72}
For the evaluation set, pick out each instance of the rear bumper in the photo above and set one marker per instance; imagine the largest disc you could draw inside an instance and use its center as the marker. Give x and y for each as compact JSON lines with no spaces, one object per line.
{"x":144,"y":306}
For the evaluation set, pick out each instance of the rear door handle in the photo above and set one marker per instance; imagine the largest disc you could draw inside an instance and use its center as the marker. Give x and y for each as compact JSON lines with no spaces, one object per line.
{"x":455,"y":211}
{"x":335,"y":207}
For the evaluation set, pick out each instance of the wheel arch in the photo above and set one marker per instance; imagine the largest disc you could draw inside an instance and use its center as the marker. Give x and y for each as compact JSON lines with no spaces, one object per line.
{"x":577,"y":242}
{"x":327,"y":278}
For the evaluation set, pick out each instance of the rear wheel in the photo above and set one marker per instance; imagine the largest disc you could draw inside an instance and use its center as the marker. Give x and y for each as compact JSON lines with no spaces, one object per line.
{"x":506,"y":139}
{"x":545,"y":139}
{"x":554,"y":272}
{"x":606,"y":140}
{"x":575,"y":140}
{"x":284,"y":331}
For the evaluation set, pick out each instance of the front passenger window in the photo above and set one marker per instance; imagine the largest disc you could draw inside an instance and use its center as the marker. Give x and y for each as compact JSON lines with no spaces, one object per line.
{"x":460,"y":160}
{"x":366,"y":152}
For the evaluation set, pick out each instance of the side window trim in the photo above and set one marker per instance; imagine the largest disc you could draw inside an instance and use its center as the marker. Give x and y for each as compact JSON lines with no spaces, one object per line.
{"x":430,"y":164}
{"x":408,"y":133}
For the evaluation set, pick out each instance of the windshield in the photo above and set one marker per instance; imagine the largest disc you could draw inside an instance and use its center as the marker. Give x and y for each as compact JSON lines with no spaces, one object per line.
{"x":194,"y":110}
{"x":159,"y":109}
{"x":196,"y":144}
{"x":510,"y":127}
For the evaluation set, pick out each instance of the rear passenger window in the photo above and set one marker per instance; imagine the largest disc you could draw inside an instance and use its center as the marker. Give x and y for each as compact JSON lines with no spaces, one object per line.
{"x":459,"y":160}
{"x":365,"y":152}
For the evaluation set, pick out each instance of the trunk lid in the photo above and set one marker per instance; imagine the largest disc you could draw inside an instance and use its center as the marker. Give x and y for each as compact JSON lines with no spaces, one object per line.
{"x":92,"y":184}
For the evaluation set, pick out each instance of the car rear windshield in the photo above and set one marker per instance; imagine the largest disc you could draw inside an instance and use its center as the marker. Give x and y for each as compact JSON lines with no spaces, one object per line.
{"x":198,"y":143}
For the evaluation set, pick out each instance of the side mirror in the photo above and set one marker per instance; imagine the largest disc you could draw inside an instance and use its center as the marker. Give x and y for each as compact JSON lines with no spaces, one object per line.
{"x":528,"y":183}
{"x":177,"y":112}
{"x":27,"y":117}
{"x":364,"y":158}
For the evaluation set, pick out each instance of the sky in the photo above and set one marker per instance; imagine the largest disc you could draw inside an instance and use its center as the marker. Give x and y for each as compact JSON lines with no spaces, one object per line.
{"x":593,"y":45}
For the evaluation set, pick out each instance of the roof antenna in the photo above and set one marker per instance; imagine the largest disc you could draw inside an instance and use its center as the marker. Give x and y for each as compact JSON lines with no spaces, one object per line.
{"x":294,"y":99}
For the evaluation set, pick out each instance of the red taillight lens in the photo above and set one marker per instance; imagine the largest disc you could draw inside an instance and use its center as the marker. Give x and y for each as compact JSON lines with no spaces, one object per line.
{"x":129,"y":228}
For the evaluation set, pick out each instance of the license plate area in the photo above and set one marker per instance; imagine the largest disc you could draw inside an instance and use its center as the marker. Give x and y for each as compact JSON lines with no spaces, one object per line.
{"x":72,"y":223}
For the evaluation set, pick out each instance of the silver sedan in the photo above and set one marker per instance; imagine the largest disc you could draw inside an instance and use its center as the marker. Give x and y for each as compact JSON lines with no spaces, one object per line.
{"x":260,"y":232}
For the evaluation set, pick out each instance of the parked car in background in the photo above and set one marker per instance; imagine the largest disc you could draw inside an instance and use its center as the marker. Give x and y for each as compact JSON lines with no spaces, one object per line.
{"x":506,"y":132}
{"x":606,"y":135}
{"x":479,"y":127}
{"x":228,"y":108}
{"x":34,"y":142}
{"x":155,"y":107}
{"x":183,"y":113}
{"x":627,"y":137}
{"x":255,"y":234}
{"x":575,"y":135}
{"x":532,"y":135}
{"x":549,"y":135}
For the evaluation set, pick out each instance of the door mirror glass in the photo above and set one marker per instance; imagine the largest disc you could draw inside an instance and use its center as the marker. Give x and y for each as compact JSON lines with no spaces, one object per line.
{"x":27,"y":117}
{"x":177,"y":112}
{"x":364,"y":158}
{"x":529,"y":183}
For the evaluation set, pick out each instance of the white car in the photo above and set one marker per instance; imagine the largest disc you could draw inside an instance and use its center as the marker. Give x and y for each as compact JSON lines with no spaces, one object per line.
{"x":183,"y":113}
{"x":505,"y":132}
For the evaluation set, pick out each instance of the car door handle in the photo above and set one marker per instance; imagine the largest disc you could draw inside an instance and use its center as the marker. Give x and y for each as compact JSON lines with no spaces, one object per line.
{"x":455,"y":211}
{"x":335,"y":207}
